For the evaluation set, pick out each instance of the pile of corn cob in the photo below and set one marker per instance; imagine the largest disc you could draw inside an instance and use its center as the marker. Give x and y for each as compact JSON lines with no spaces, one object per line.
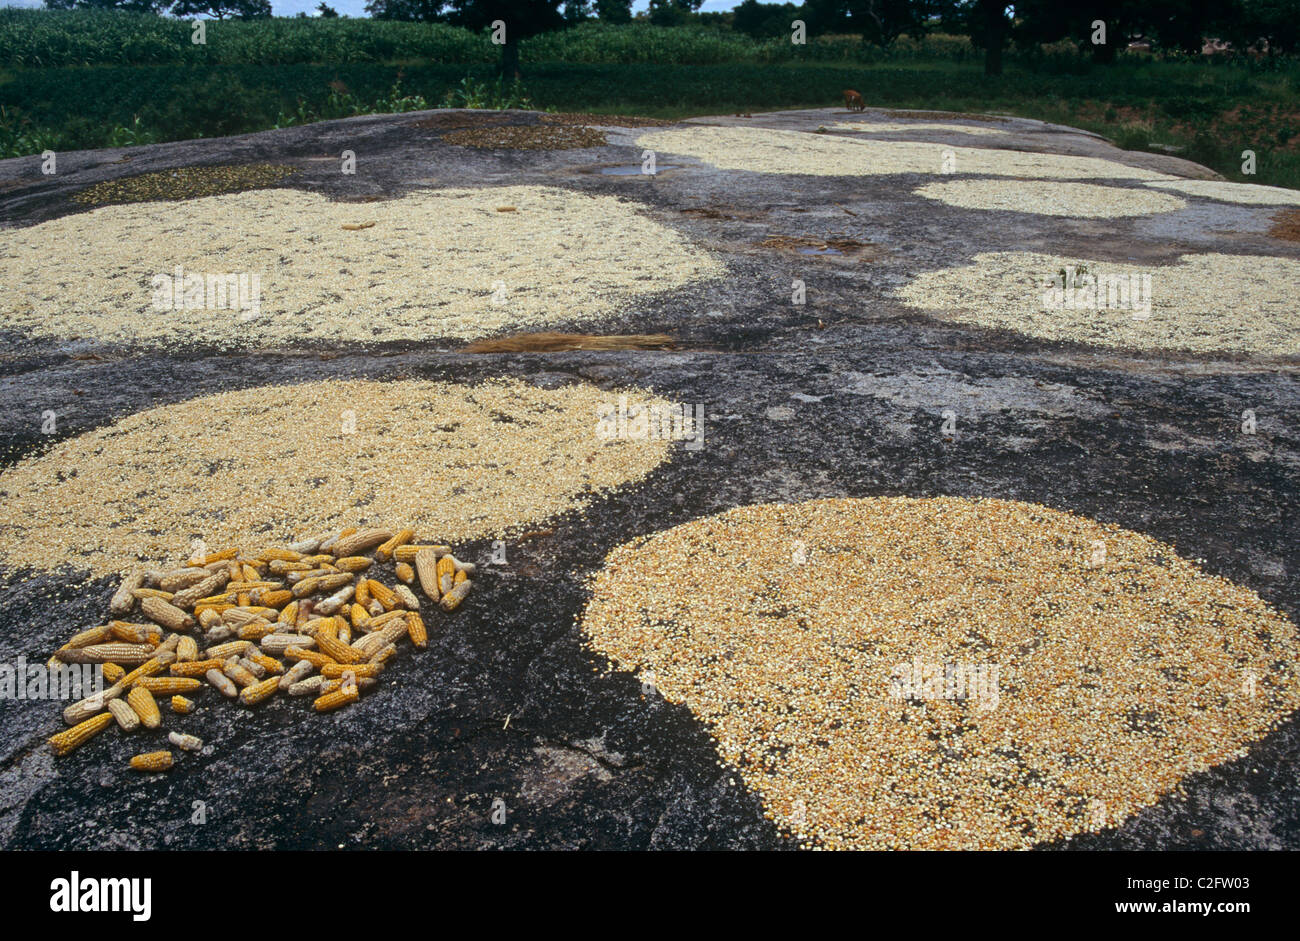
{"x":304,"y":620}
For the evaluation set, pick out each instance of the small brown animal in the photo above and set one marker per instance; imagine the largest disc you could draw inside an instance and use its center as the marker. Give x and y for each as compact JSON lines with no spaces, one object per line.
{"x":853,"y":100}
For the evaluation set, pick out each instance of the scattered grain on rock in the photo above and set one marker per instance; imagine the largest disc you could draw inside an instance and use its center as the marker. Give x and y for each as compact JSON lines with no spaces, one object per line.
{"x":1079,"y":200}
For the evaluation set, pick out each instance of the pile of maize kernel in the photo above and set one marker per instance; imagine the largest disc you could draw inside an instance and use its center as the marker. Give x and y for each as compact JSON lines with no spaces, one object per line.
{"x":309,"y":619}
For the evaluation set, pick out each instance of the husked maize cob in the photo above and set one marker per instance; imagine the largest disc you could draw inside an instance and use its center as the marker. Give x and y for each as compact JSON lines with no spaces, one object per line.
{"x":404,"y":572}
{"x":310,"y":686}
{"x":459,"y":577}
{"x":119,"y":653}
{"x":360,"y":683}
{"x":227,"y":598}
{"x":445,"y":583}
{"x":371,"y":643}
{"x":333,"y":582}
{"x":122,"y":600}
{"x":153,"y":761}
{"x":360,"y":542}
{"x":335,"y":601}
{"x":249,"y":573}
{"x":281,"y":555}
{"x":311,"y":656}
{"x":170,"y":645}
{"x":187,"y":597}
{"x":187,"y":649}
{"x":451,"y":601}
{"x":360,"y":616}
{"x":328,"y":544}
{"x":150,"y":667}
{"x":166,"y":614}
{"x":196,"y":667}
{"x":467,"y":568}
{"x":145,"y":706}
{"x":67,"y":740}
{"x":426,"y":567}
{"x":307,"y":545}
{"x":168,"y":685}
{"x":306,"y":586}
{"x":126,"y":718}
{"x":142,"y":593}
{"x":256,"y":584}
{"x":221,"y":556}
{"x":323,"y":559}
{"x":83,"y":709}
{"x":222,"y":683}
{"x":253,"y":667}
{"x":337,"y":650}
{"x":354,"y":563}
{"x":237,"y":672}
{"x":406,"y":597}
{"x":383,"y":620}
{"x":137,"y":633}
{"x":271,"y":597}
{"x":182,"y":705}
{"x":221,"y":608}
{"x":276,"y":644}
{"x":180,"y":579}
{"x":233,"y":648}
{"x":218,"y":634}
{"x":339,"y":697}
{"x":88,"y":637}
{"x":208,"y":617}
{"x":256,"y":630}
{"x":280,"y":567}
{"x":299,"y":671}
{"x":416,"y":630}
{"x":265,"y":689}
{"x":382,"y":656}
{"x":316,"y":625}
{"x":343,"y":633}
{"x":384,"y":551}
{"x":289,"y":614}
{"x":408,"y":553}
{"x":382,"y":593}
{"x":269,"y":664}
{"x":185,"y":742}
{"x":113,"y":672}
{"x":334,"y":671}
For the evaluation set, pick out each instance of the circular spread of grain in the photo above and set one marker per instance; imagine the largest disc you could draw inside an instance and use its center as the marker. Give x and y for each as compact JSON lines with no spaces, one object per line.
{"x":1246,"y":193}
{"x":1204,"y":303}
{"x":440,"y":263}
{"x":761,"y":150}
{"x":894,"y":127}
{"x":1080,"y":200}
{"x":945,"y":673}
{"x":279,"y":463}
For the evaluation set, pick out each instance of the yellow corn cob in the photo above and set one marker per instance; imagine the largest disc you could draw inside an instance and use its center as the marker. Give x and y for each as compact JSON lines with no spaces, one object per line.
{"x":337,"y":650}
{"x":250,"y":574}
{"x":215,"y":607}
{"x":167,"y":685}
{"x":187,"y":648}
{"x":360,"y":542}
{"x":315,"y":560}
{"x":150,"y":667}
{"x":94,"y":635}
{"x":306,"y":586}
{"x":188,"y":597}
{"x":426,"y":567}
{"x":271,"y":598}
{"x":339,"y":697}
{"x":382,"y":656}
{"x":408,"y":553}
{"x":299,"y":671}
{"x":142,"y":701}
{"x":253,"y":585}
{"x":256,"y":630}
{"x":280,"y":555}
{"x":335,"y":670}
{"x":182,"y":705}
{"x":222,"y":683}
{"x":362,"y":596}
{"x":354,"y":563}
{"x":168,"y":646}
{"x":243,"y":599}
{"x":67,"y":740}
{"x":382,"y":593}
{"x":220,"y":556}
{"x":269,"y":664}
{"x":226,"y":599}
{"x":289,"y":613}
{"x":130,"y":654}
{"x":404,"y":572}
{"x":311,"y":656}
{"x":126,"y":718}
{"x":237,"y":672}
{"x":359,"y":616}
{"x":182,"y":578}
{"x":459,"y":577}
{"x":385,"y":550}
{"x":152,"y":761}
{"x":258,"y":692}
{"x":231,"y":649}
{"x":446,"y":566}
{"x":451,"y":601}
{"x":381,"y":620}
{"x":183,"y":741}
{"x":136,"y":633}
{"x":196,"y":667}
{"x":142,"y":593}
{"x":113,"y":672}
{"x":168,"y":615}
{"x":415,"y":628}
{"x":360,"y":683}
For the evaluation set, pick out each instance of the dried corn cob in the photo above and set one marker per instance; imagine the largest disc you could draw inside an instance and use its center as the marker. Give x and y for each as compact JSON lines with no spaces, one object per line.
{"x":311,"y":656}
{"x":459,"y":577}
{"x":276,"y":644}
{"x":122,"y":600}
{"x":309,"y":686}
{"x":306,"y":586}
{"x":258,"y":692}
{"x":182,"y":705}
{"x":196,"y":667}
{"x":249,"y":573}
{"x":336,"y":670}
{"x":271,"y":598}
{"x":92,"y":635}
{"x":125,"y":654}
{"x":170,"y":645}
{"x":361,"y":684}
{"x":382,"y":593}
{"x":343,"y":630}
{"x":354,"y":563}
{"x":416,"y":630}
{"x":142,"y":701}
{"x":180,"y":579}
{"x":382,"y":656}
{"x":236,"y":671}
{"x":141,"y":593}
{"x":408,"y":553}
{"x":451,"y":601}
{"x":221,"y":556}
{"x":153,"y":761}
{"x":187,"y":649}
{"x":406,"y":597}
{"x":150,"y":667}
{"x":383,"y":620}
{"x":112,"y":672}
{"x":426,"y":567}
{"x":253,"y":667}
{"x":214,"y":583}
{"x":168,"y":685}
{"x":307,"y":545}
{"x":282,"y":555}
{"x":233,"y":648}
{"x":199,"y":609}
{"x":208,"y":617}
{"x":359,"y":542}
{"x":256,"y":630}
{"x":126,"y":718}
{"x":186,"y":742}
{"x":337,"y":650}
{"x":150,"y":634}
{"x":360,"y":616}
{"x":446,"y":582}
{"x":333,"y":581}
{"x":222,"y":683}
{"x":404,"y":572}
{"x":299,"y":671}
{"x":362,"y":596}
{"x":269,"y":664}
{"x":338,"y":698}
{"x":467,"y":568}
{"x":385,"y":551}
{"x":335,"y":601}
{"x":218,"y":634}
{"x":289,"y":614}
{"x":67,"y":740}
{"x":280,"y":567}
{"x":168,"y":615}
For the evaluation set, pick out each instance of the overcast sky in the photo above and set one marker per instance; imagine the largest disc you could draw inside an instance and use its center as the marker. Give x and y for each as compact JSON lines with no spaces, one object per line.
{"x":358,"y":7}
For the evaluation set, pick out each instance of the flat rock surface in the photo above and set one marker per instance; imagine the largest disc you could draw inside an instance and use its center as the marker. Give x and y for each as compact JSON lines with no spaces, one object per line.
{"x":843,"y":396}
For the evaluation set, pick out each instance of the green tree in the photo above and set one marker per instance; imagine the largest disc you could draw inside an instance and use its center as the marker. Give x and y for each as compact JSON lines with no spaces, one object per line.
{"x":522,"y":18}
{"x":765,"y":20}
{"x":224,"y":9}
{"x":326,"y":11}
{"x":614,"y":11}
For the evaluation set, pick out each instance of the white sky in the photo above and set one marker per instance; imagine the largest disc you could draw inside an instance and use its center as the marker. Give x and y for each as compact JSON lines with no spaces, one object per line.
{"x":358,"y":7}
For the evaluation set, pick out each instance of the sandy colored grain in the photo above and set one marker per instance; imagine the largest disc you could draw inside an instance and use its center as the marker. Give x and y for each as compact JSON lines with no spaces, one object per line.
{"x":761,"y":150}
{"x":1113,"y":683}
{"x":1079,"y":200}
{"x":1205,"y":303}
{"x":1250,"y":194}
{"x":896,"y":127}
{"x":496,"y":455}
{"x":436,"y":264}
